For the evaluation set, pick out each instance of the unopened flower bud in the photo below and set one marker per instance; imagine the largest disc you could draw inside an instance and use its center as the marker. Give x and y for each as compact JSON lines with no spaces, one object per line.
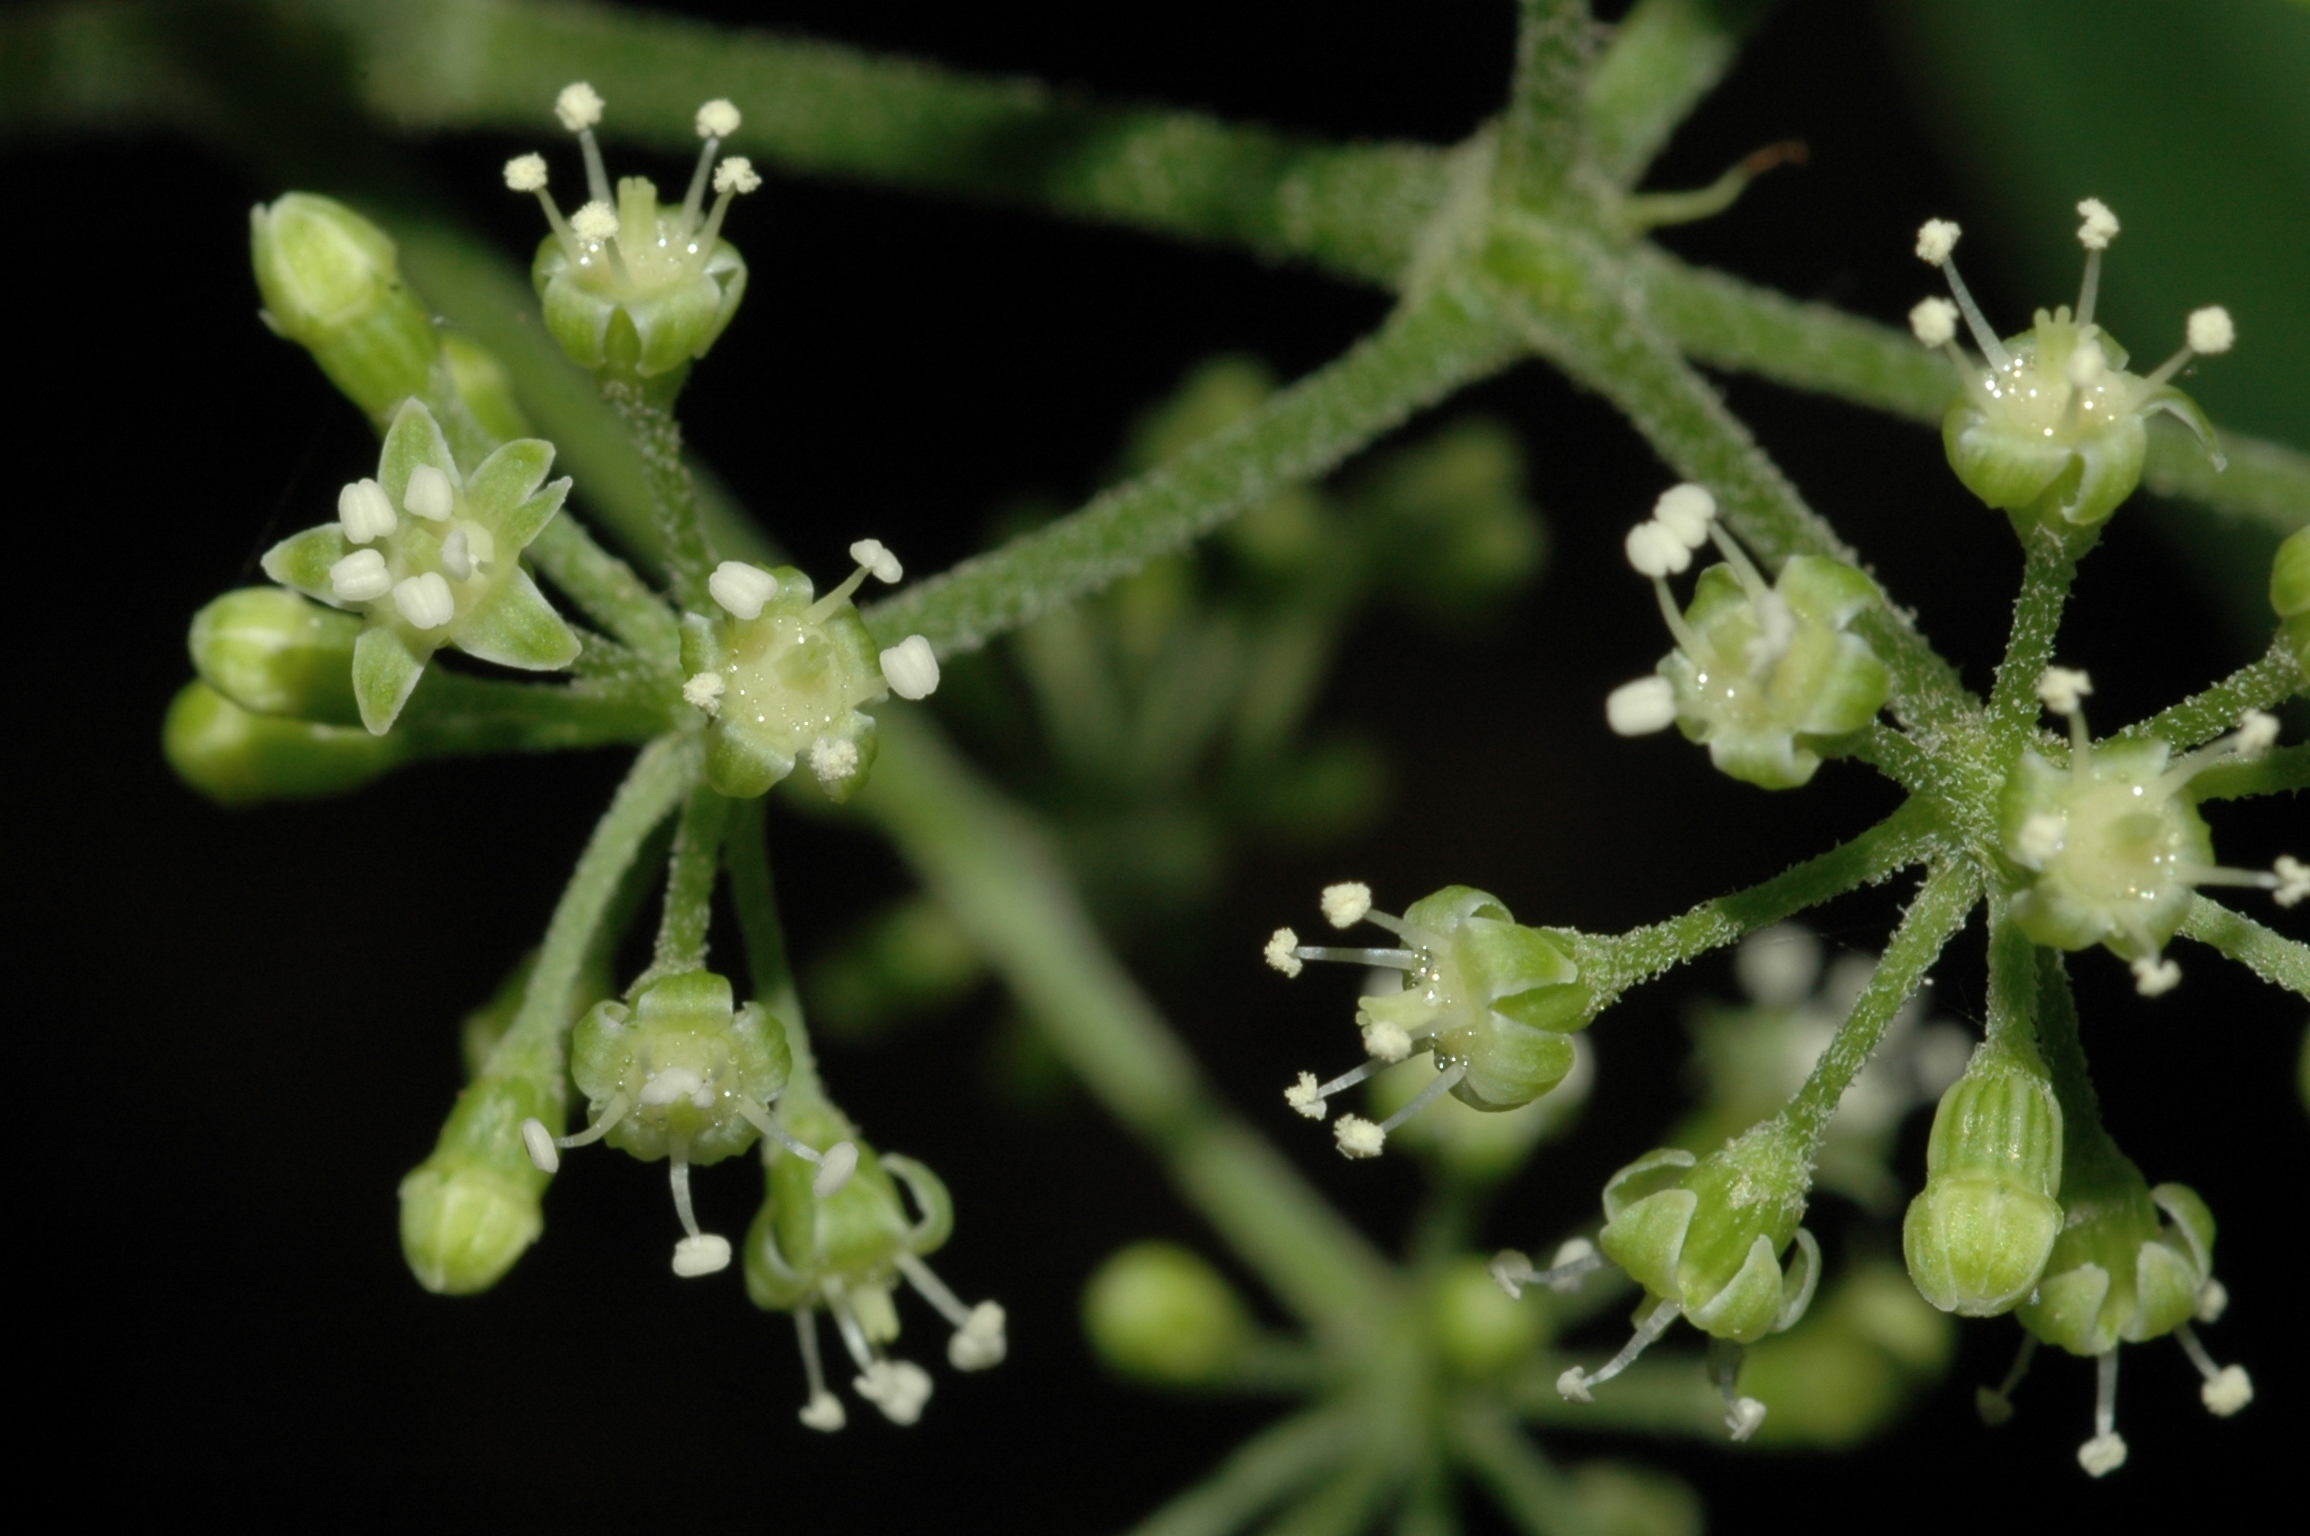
{"x":238,"y":758}
{"x":1978,"y":1235}
{"x":276,"y":653}
{"x":331,"y":282}
{"x":2290,"y":594}
{"x":1157,"y":1312}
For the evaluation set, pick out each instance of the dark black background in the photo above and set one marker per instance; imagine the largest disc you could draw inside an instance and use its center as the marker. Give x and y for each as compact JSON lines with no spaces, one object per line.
{"x":236,"y":1031}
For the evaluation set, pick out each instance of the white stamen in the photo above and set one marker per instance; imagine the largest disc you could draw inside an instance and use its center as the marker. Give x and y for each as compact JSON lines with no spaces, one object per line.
{"x":425,"y":601}
{"x":1306,"y":1096}
{"x":705,"y":692}
{"x":1387,"y":1042}
{"x":1358,"y":1137}
{"x":365,"y":512}
{"x":2061,"y":688}
{"x":429,"y":494}
{"x":2257,"y":734}
{"x":538,"y":1142}
{"x":2213,"y":1301}
{"x":2154,"y":977}
{"x":911,"y":668}
{"x":979,"y":1342}
{"x":2227,"y":1391}
{"x":526,"y":173}
{"x":2211,"y":331}
{"x":717,"y":119}
{"x":1654,"y":551}
{"x":835,"y":1166}
{"x":1934,"y":322}
{"x":898,"y":1387}
{"x":2042,"y":837}
{"x":833,"y":759}
{"x":2103,"y":1454}
{"x":1573,"y":1385}
{"x":1278,"y":954}
{"x":457,"y":556}
{"x":1743,"y":1417}
{"x":1686,"y":511}
{"x":736,"y":174}
{"x":1509,"y":1270}
{"x":596,"y":221}
{"x":2293,"y":882}
{"x":1574,"y":1258}
{"x":876,"y":557}
{"x":823,"y":1413}
{"x":579,"y":106}
{"x":2100,"y":226}
{"x":741,"y":589}
{"x":706,"y":1254}
{"x":1641,"y":707}
{"x":1936,"y":238}
{"x":1345,"y":904}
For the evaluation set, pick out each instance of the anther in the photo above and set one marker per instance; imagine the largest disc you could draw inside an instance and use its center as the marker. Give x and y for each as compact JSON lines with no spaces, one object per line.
{"x":424,"y":601}
{"x":1653,"y":550}
{"x":1358,"y":1137}
{"x":741,"y":589}
{"x":2293,"y":881}
{"x":538,"y":1142}
{"x":365,"y":512}
{"x":1934,"y":322}
{"x":717,"y":119}
{"x":1306,"y":1096}
{"x":1686,"y":511}
{"x":833,"y":759}
{"x":595,"y":222}
{"x":2227,"y":1388}
{"x":457,"y":556}
{"x":579,"y":106}
{"x":1641,"y":707}
{"x":911,"y":668}
{"x":2211,"y":332}
{"x":2106,"y":1451}
{"x":705,"y":691}
{"x":1279,"y":953}
{"x":1345,"y":904}
{"x":2155,"y":977}
{"x":876,"y":557}
{"x":1575,"y":1384}
{"x":429,"y":494}
{"x":2061,"y":689}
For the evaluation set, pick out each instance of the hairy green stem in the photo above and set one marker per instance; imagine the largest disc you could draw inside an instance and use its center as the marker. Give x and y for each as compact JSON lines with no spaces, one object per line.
{"x":1543,"y":139}
{"x":454,"y":715}
{"x":2278,"y":960}
{"x":648,"y":416}
{"x":2200,"y":718}
{"x":2012,"y":1026}
{"x":1265,"y":1469}
{"x":607,"y":591}
{"x":2284,"y":771}
{"x":2049,"y":570}
{"x":746,"y":851}
{"x":1664,"y":57}
{"x":691,"y":867}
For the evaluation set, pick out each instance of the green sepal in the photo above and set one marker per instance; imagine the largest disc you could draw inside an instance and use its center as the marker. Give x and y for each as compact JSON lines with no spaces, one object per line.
{"x":1707,"y":1235}
{"x":2190,"y":414}
{"x":469,"y":1210}
{"x":302,"y":560}
{"x":2005,"y":470}
{"x":515,"y":626}
{"x":277,"y":653}
{"x":527,"y":519}
{"x":238,"y":758}
{"x":742,"y":765}
{"x":386,"y":670}
{"x":510,"y":475}
{"x":413,"y":439}
{"x":2116,"y":1273}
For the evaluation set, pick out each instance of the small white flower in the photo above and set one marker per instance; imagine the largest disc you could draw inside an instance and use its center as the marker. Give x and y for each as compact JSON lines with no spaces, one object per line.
{"x":1934,"y":321}
{"x":360,"y":577}
{"x":2211,"y":331}
{"x":579,"y":106}
{"x":741,"y":589}
{"x":1345,"y":904}
{"x":911,"y":668}
{"x":1358,"y":1137}
{"x":1278,"y":953}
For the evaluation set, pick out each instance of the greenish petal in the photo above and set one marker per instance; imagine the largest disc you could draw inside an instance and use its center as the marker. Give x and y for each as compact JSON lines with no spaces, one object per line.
{"x":2185,"y":410}
{"x":1826,"y":591}
{"x":1767,"y":759}
{"x":413,"y":439}
{"x":385,"y":672}
{"x":510,"y":476}
{"x":515,"y":626}
{"x":517,"y":527}
{"x":302,"y":560}
{"x":741,"y":765}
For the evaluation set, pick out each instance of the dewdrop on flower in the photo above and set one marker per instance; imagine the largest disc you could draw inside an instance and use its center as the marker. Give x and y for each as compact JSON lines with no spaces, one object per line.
{"x":2110,"y":849}
{"x":1492,"y":1001}
{"x":1770,"y":678}
{"x":842,"y":1251}
{"x":628,"y":287}
{"x":782,"y":674}
{"x":2049,"y":424}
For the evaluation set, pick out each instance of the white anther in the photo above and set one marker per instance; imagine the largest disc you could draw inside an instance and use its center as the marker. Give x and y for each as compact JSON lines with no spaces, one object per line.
{"x":2227,"y":1391}
{"x":1345,"y":904}
{"x":876,"y":557}
{"x":595,"y":222}
{"x":1641,"y":707}
{"x":365,"y":512}
{"x":1304,"y":1096}
{"x":525,"y":173}
{"x":429,"y":494}
{"x":1686,"y":511}
{"x":1358,"y":1137}
{"x":2211,"y":331}
{"x":1509,"y":1270}
{"x":579,"y":106}
{"x":1571,"y":1251}
{"x":1573,"y":1385}
{"x":705,"y":692}
{"x":669,"y":1085}
{"x":537,"y":1141}
{"x":360,"y":577}
{"x":1654,"y":551}
{"x":833,"y":759}
{"x":898,"y":1387}
{"x":2042,"y":837}
{"x":1934,"y":322}
{"x":1743,"y":1417}
{"x":2103,"y":1454}
{"x":741,"y":589}
{"x":979,"y":1342}
{"x":2213,"y":1301}
{"x":2100,"y":226}
{"x":457,"y":556}
{"x":736,"y":174}
{"x":717,"y":119}
{"x":2293,"y":881}
{"x":823,"y":1413}
{"x":2257,"y":734}
{"x":911,"y":668}
{"x":1387,"y":1042}
{"x":1278,"y":953}
{"x":835,"y":1166}
{"x":2061,"y":688}
{"x":2154,"y":977}
{"x":2087,"y":365}
{"x":706,"y":1254}
{"x":425,"y":601}
{"x":1936,"y":238}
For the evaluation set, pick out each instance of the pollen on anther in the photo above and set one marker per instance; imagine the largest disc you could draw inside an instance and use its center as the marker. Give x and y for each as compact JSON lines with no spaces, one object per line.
{"x":360,"y":577}
{"x":1387,"y":1042}
{"x":595,"y":222}
{"x":2227,"y":1391}
{"x":736,"y":174}
{"x":717,"y":119}
{"x":579,"y":106}
{"x":1305,"y":1095}
{"x":2103,"y":1454}
{"x":2211,"y":331}
{"x":2293,"y":881}
{"x":1358,"y":1137}
{"x":365,"y":512}
{"x":705,"y":692}
{"x":538,"y":1142}
{"x":2257,"y":734}
{"x":1278,"y":953}
{"x":1936,"y":238}
{"x":1686,"y":511}
{"x":1934,"y":322}
{"x":876,"y":557}
{"x":2041,"y":839}
{"x":2061,"y":688}
{"x":526,"y":173}
{"x":833,"y":759}
{"x":1345,"y":904}
{"x":2100,"y":226}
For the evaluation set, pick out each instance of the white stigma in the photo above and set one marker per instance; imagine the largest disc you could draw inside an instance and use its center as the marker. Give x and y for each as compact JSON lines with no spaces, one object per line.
{"x":1573,"y":1386}
{"x":1655,"y":551}
{"x":717,"y":119}
{"x":2293,"y":889}
{"x":1306,"y":1096}
{"x":1278,"y":953}
{"x":911,"y":668}
{"x":1934,"y":322}
{"x":365,"y":512}
{"x":429,"y":494}
{"x":2227,"y":1391}
{"x":2100,"y":226}
{"x":538,"y":1142}
{"x":2211,"y":331}
{"x":525,"y":173}
{"x":706,"y":1254}
{"x":1345,"y":904}
{"x":579,"y":106}
{"x":457,"y":556}
{"x":2041,"y":839}
{"x":360,"y":577}
{"x":1641,"y":707}
{"x":1358,"y":1137}
{"x":1743,"y":1417}
{"x":835,"y":1166}
{"x":1936,"y":238}
{"x":1387,"y":1042}
{"x":595,"y":222}
{"x":876,"y":557}
{"x":741,"y":589}
{"x":898,"y":1387}
{"x":736,"y":174}
{"x":833,"y":759}
{"x":2061,"y":688}
{"x":979,"y":1342}
{"x":1686,"y":511}
{"x":2154,"y":977}
{"x":2257,"y":734}
{"x":705,"y":692}
{"x":425,"y":601}
{"x":823,"y":1413}
{"x":2103,"y":1454}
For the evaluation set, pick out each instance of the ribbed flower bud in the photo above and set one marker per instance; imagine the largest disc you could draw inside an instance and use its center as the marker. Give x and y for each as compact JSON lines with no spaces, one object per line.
{"x":1158,"y":1312}
{"x":1707,"y":1235}
{"x":275,"y":653}
{"x":331,"y":282}
{"x":2290,"y":594}
{"x":238,"y":758}
{"x":1978,"y":1235}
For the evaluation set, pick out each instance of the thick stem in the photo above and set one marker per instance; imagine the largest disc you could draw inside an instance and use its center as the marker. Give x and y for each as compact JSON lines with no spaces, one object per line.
{"x":2278,"y":960}
{"x":2048,"y":572}
{"x":2012,"y":1028}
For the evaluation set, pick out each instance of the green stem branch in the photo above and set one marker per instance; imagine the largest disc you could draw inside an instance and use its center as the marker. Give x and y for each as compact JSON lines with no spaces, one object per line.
{"x":2278,"y":960}
{"x":690,"y":871}
{"x":1664,"y":57}
{"x":764,"y":934}
{"x":2197,"y":720}
{"x":1544,"y":133}
{"x":2049,"y":569}
{"x":1265,"y":1469}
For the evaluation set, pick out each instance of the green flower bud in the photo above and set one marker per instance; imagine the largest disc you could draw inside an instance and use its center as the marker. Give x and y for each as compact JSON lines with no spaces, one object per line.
{"x":1978,"y":1235}
{"x":1478,"y":1328}
{"x":782,"y":675}
{"x":275,"y":653}
{"x":2049,"y":426}
{"x":2290,"y":594}
{"x":2116,"y":1273}
{"x":1770,"y":678}
{"x":1159,"y":1313}
{"x":681,"y":1073}
{"x":332,"y":283}
{"x":237,"y":758}
{"x":429,"y":557}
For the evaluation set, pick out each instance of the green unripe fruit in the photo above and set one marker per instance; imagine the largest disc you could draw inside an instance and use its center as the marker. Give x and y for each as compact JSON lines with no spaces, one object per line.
{"x":331,"y":282}
{"x":682,"y":1072}
{"x":1708,"y":1234}
{"x":275,"y":653}
{"x":469,"y":1210}
{"x":1978,"y":1236}
{"x":2290,"y":594}
{"x":1157,"y":1312}
{"x":238,"y":758}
